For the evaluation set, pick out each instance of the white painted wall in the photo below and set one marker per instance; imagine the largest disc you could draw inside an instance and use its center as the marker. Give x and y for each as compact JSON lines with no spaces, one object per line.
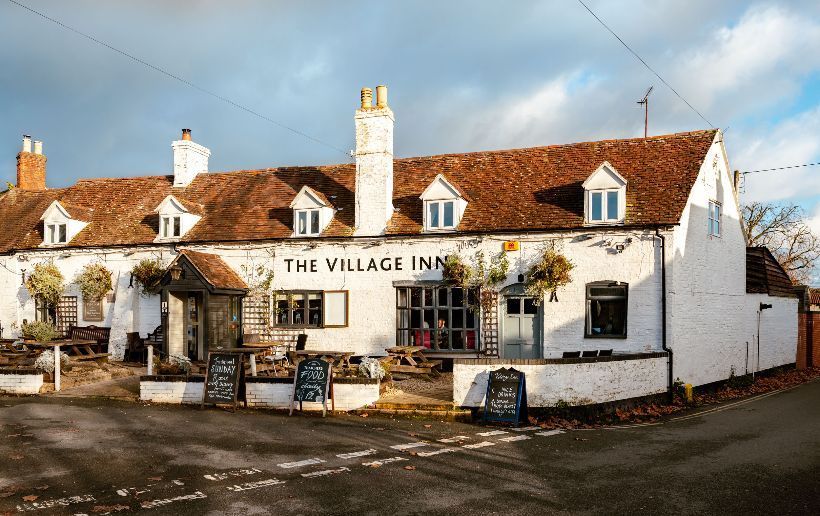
{"x":23,"y":383}
{"x":573,"y":383}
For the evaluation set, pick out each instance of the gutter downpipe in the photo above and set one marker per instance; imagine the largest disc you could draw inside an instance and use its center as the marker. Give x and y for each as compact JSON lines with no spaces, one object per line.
{"x":671,"y":382}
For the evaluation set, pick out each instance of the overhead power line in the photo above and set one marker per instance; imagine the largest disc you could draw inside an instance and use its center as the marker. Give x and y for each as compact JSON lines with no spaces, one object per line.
{"x":781,"y":168}
{"x":639,"y":58}
{"x":178,"y":78}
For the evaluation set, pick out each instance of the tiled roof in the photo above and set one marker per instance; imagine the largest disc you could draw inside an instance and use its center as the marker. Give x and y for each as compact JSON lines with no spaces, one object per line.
{"x":814,"y":296}
{"x":214,"y":269}
{"x":765,"y":275}
{"x":520,"y":190}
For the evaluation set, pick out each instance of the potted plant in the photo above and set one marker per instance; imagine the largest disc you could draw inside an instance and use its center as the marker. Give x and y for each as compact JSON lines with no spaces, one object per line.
{"x":549,"y":273}
{"x":148,"y":274}
{"x":94,"y":281}
{"x":40,"y":331}
{"x":46,"y":282}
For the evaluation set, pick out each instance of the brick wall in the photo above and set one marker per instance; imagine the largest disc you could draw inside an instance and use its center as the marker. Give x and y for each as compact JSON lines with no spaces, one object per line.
{"x":808,"y":330}
{"x":160,"y":389}
{"x":16,"y":381}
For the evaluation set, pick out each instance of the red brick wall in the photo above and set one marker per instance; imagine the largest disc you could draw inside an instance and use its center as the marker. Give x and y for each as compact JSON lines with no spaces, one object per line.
{"x":31,"y":171}
{"x":808,"y":333}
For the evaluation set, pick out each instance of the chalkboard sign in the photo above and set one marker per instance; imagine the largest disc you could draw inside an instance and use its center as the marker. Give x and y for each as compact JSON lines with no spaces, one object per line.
{"x":311,"y":383}
{"x":223,"y":378}
{"x":93,"y":310}
{"x":506,"y":399}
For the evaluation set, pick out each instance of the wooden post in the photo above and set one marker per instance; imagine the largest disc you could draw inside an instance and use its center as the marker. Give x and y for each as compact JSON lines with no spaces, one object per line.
{"x":150,"y":360}
{"x":56,"y":368}
{"x":252,"y":358}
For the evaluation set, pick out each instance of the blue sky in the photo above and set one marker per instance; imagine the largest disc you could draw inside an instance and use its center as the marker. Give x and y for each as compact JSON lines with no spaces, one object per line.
{"x":462,"y":76}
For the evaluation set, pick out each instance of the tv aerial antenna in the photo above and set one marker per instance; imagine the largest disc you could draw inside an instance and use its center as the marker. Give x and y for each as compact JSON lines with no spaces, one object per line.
{"x":645,"y":102}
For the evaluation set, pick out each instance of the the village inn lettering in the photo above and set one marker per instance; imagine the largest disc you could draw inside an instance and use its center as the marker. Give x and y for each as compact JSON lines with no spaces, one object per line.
{"x":385,"y":264}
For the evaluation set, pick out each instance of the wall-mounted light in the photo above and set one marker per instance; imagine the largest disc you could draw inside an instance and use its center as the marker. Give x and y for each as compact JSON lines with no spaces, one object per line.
{"x":520,"y":278}
{"x":620,"y":248}
{"x":22,"y":276}
{"x":131,"y":282}
{"x":176,"y":272}
{"x":765,"y":306}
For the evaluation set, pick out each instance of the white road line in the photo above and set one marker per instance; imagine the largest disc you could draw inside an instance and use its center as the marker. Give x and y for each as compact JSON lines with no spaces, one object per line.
{"x":515,"y":438}
{"x":247,"y":486}
{"x":325,"y":472}
{"x":482,"y":444}
{"x":57,"y":502}
{"x":494,"y":432}
{"x":216,"y":477}
{"x":408,"y":446}
{"x":454,"y":439}
{"x":436,"y":452}
{"x":353,"y":455}
{"x":307,"y":462}
{"x":165,"y":501}
{"x":526,"y":429}
{"x":549,"y":433}
{"x":382,"y":462}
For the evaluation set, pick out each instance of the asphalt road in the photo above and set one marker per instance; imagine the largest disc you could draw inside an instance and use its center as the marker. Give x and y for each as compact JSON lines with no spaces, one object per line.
{"x":86,"y":456}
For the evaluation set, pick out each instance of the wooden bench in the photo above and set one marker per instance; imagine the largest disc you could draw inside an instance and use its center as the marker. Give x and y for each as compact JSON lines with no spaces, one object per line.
{"x":99,"y":334}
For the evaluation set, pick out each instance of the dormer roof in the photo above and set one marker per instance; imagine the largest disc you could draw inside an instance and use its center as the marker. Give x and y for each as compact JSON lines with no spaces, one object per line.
{"x":57,"y":210}
{"x":172,"y":204}
{"x":605,"y":176}
{"x":309,"y":198}
{"x":440,"y":188}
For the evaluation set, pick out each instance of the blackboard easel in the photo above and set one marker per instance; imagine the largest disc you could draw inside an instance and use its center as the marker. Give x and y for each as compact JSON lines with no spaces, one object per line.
{"x":219,"y":393}
{"x":506,"y":397}
{"x":312,"y":382}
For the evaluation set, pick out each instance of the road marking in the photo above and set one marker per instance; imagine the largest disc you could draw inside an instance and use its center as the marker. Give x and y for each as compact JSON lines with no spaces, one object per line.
{"x":216,"y":477}
{"x":494,"y":432}
{"x":307,"y":462}
{"x":353,"y":455}
{"x":247,"y":486}
{"x":454,"y":439}
{"x":408,"y":446}
{"x":526,"y":429}
{"x":325,"y":472}
{"x":549,"y":433}
{"x":515,"y":438}
{"x":57,"y":502}
{"x":382,"y":462}
{"x":436,"y":452}
{"x":482,"y":444}
{"x":166,"y":501}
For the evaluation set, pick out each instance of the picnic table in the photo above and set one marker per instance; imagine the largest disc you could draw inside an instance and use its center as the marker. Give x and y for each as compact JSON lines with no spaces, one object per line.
{"x":78,"y":349}
{"x":334,"y":357}
{"x":410,"y":360}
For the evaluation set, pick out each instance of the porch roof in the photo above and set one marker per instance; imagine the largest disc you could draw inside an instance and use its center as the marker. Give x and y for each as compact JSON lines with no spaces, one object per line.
{"x":213,"y":270}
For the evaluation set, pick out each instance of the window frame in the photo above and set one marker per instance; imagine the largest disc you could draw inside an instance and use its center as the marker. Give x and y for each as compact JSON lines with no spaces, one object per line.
{"x":290,"y":296}
{"x":308,"y":212}
{"x":588,"y":305}
{"x":440,"y":211}
{"x":713,"y":222}
{"x":406,"y":332}
{"x":172,"y":223}
{"x":56,"y":233}
{"x":604,"y":192}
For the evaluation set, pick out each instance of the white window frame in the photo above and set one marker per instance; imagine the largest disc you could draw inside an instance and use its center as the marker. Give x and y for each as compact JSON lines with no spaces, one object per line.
{"x":308,"y":222}
{"x":439,"y":206}
{"x":168,"y":226}
{"x":52,"y":230}
{"x":604,"y":202}
{"x":714,"y":225}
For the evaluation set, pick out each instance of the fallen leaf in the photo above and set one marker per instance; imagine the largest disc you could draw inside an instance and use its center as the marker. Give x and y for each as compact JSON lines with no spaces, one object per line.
{"x":413,"y":453}
{"x":375,"y":465}
{"x":16,"y":457}
{"x":30,"y":498}
{"x":409,"y":468}
{"x":364,"y":415}
{"x":155,"y":478}
{"x":428,"y":426}
{"x":413,"y":434}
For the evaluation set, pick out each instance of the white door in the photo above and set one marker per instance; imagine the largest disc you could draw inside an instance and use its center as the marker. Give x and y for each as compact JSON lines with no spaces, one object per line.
{"x":521,"y":327}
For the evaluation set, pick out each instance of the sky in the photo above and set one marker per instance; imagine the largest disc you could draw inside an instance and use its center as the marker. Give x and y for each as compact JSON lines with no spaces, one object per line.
{"x":462,"y":76}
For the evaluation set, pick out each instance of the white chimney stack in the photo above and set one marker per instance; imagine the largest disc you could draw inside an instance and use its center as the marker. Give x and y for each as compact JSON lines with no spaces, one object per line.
{"x":374,"y":163}
{"x":26,"y":143}
{"x":38,"y":147}
{"x":190,"y":159}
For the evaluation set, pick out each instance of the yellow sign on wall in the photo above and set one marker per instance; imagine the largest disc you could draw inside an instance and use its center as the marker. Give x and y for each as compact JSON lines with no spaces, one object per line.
{"x":512,"y":245}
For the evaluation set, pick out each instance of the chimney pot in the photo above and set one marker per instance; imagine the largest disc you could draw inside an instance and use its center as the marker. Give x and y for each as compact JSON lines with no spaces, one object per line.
{"x":38,"y":147}
{"x":381,"y":96}
{"x":26,"y":143}
{"x":186,"y":134}
{"x":367,"y":98}
{"x":31,"y":166}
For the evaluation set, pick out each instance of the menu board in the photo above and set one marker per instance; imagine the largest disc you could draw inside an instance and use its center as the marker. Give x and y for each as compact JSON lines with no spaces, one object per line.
{"x":93,"y":310}
{"x":506,"y":398}
{"x":312,"y":382}
{"x":222,"y":378}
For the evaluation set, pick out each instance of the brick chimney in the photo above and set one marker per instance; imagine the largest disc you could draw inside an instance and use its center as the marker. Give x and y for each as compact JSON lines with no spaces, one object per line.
{"x":31,"y":166}
{"x":190,"y":159}
{"x":374,"y":163}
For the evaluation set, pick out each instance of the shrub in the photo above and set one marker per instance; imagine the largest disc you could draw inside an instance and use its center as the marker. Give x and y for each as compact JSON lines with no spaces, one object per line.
{"x":46,"y":283}
{"x":548,"y":274}
{"x":41,"y":331}
{"x":148,"y":274}
{"x":371,"y":368}
{"x":94,"y":281}
{"x":45,"y":362}
{"x":456,"y":272}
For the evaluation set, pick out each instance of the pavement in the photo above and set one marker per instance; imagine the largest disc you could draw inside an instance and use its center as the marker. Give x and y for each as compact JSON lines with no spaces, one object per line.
{"x":97,"y":456}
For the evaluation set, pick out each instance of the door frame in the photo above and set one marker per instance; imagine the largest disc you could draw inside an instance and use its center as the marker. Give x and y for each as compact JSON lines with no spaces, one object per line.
{"x":512,"y":291}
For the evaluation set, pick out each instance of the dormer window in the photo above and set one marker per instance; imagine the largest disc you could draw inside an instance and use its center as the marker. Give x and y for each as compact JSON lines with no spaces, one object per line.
{"x":605,"y":196}
{"x":176,"y":218}
{"x":444,"y":205}
{"x":59,"y":227}
{"x":312,"y":213}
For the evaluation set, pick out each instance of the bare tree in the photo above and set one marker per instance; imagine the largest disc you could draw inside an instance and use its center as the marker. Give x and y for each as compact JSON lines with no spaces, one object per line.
{"x":783,"y":229}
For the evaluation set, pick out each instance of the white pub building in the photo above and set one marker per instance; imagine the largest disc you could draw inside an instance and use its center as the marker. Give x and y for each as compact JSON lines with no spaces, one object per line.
{"x":662,"y":287}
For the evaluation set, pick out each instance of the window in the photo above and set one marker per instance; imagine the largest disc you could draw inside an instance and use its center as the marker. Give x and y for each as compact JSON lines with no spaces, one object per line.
{"x":441,"y":215}
{"x":307,"y":222}
{"x":437,"y":318}
{"x":298,"y":308}
{"x":606,"y":309}
{"x":171,"y":227}
{"x":714,"y":218}
{"x":56,"y":233}
{"x":604,"y":206}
